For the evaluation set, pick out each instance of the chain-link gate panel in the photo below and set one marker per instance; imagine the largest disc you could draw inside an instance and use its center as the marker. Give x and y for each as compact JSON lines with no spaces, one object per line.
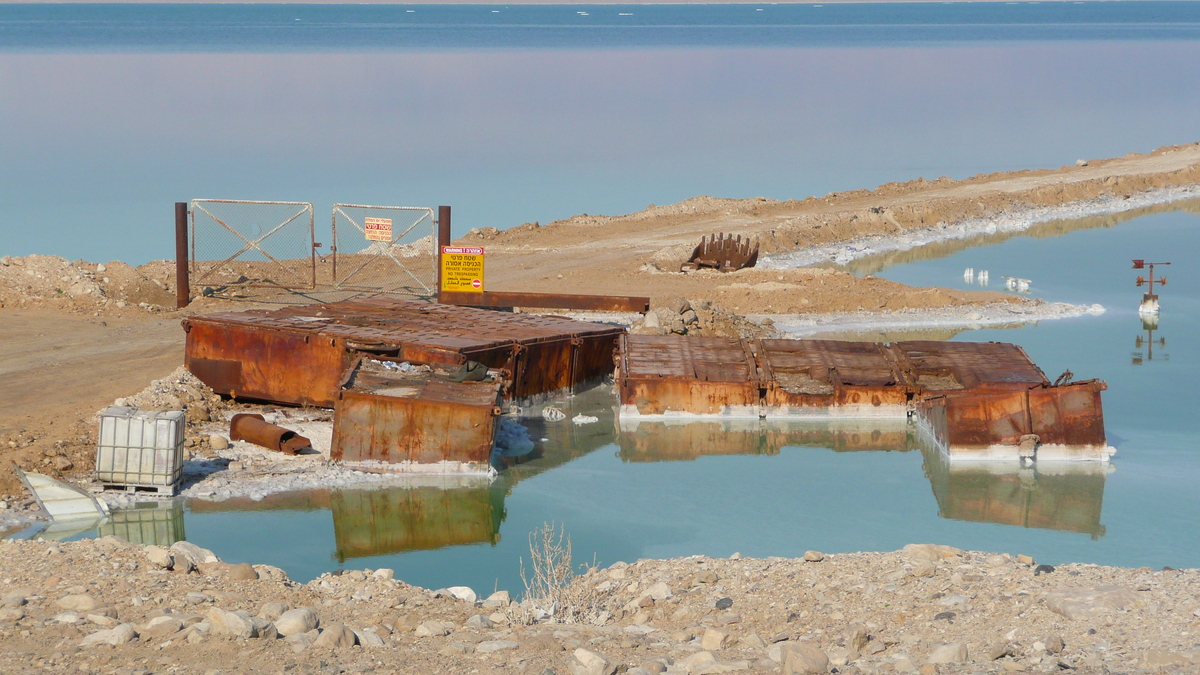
{"x":385,"y":249}
{"x":250,"y":243}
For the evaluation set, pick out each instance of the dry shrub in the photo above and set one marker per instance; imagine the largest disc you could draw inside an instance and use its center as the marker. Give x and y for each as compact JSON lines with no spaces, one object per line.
{"x":550,"y":594}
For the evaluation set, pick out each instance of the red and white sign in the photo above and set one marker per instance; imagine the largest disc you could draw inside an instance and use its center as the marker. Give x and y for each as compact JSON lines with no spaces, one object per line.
{"x":476,"y":283}
{"x":462,"y":250}
{"x":378,"y":229}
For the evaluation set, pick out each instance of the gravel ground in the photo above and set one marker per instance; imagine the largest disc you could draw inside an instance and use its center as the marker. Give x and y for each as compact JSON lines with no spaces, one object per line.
{"x":107,"y":606}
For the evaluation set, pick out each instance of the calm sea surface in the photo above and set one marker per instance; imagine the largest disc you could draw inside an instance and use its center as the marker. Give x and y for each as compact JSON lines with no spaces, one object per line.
{"x":111,"y":113}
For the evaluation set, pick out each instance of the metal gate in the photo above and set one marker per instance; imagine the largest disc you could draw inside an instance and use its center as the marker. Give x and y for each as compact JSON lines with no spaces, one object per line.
{"x":385,"y":249}
{"x":252,"y":243}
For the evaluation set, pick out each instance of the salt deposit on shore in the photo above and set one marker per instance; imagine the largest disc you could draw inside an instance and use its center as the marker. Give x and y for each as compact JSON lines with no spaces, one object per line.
{"x":962,"y":318}
{"x":1019,"y":220}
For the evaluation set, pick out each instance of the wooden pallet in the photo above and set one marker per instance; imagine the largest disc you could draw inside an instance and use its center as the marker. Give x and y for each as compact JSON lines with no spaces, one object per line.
{"x":164,"y":490}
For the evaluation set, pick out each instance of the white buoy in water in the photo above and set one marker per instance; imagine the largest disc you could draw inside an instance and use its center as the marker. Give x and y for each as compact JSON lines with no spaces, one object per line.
{"x":969,"y":275}
{"x":1017,"y":284}
{"x":983,"y":277}
{"x":1149,"y":306}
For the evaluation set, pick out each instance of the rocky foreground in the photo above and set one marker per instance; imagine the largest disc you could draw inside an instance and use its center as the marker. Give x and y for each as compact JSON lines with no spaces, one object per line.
{"x":107,"y":606}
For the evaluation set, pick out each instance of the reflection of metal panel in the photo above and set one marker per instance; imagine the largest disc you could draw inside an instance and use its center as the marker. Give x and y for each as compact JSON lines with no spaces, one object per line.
{"x":672,"y":440}
{"x":420,"y":417}
{"x":1065,"y":496}
{"x":160,"y":525}
{"x":379,"y":522}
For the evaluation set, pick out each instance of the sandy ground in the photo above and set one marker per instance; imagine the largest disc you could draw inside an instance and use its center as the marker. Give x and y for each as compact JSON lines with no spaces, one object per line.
{"x":640,"y":253}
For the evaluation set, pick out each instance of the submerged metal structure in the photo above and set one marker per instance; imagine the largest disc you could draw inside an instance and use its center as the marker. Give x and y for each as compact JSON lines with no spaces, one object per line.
{"x":976,"y":400}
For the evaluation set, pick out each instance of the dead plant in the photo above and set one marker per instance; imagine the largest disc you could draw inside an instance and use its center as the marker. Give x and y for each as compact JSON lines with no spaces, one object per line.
{"x":552,"y":592}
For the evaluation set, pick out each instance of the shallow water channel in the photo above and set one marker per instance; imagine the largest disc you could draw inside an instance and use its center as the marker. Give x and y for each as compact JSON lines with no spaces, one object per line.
{"x":717,"y":488}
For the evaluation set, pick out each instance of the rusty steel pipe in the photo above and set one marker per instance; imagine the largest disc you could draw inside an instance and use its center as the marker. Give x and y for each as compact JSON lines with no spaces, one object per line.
{"x":183,"y":291}
{"x":255,"y":429}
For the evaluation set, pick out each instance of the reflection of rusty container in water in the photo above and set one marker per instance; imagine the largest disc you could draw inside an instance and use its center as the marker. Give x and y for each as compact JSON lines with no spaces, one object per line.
{"x":378,"y":522}
{"x":656,"y":441}
{"x":1065,"y":496}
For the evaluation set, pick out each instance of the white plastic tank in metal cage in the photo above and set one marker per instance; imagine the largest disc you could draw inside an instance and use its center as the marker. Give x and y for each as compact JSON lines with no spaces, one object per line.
{"x":140,"y":448}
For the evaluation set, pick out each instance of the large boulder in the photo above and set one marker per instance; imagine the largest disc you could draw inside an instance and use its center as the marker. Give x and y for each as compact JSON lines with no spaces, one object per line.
{"x":336,"y":636}
{"x":296,"y":621}
{"x":231,"y":624}
{"x":1082,"y":603}
{"x":118,"y":635}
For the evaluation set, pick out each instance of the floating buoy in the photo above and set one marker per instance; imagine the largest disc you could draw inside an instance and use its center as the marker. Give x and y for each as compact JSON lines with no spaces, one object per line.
{"x":1017,"y":284}
{"x":969,"y":275}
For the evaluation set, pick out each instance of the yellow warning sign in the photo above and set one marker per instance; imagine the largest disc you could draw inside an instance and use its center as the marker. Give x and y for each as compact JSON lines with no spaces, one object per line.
{"x":378,"y":229}
{"x":462,"y":269}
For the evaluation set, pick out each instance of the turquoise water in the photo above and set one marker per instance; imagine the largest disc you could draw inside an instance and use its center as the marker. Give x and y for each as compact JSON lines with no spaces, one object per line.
{"x":112,"y":113}
{"x":673,"y":491}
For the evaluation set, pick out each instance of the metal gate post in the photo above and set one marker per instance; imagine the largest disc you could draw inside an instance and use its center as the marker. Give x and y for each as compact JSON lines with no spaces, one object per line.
{"x":443,"y":239}
{"x":182,"y":286}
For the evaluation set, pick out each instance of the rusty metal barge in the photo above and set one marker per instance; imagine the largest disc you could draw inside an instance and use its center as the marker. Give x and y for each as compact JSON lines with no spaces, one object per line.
{"x":976,"y":401}
{"x":336,"y":355}
{"x":387,"y":367}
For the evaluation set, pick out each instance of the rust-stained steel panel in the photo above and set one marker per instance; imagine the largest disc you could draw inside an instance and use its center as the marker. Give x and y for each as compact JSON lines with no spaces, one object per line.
{"x":663,"y":374}
{"x":971,"y":396}
{"x":270,"y":361}
{"x":942,"y":366}
{"x":1068,"y":414}
{"x":298,"y":354}
{"x":831,"y":374}
{"x":422,"y":417}
{"x":982,"y":419}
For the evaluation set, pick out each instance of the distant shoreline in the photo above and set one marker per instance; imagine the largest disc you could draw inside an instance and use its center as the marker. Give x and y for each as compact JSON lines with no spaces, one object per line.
{"x":551,"y":3}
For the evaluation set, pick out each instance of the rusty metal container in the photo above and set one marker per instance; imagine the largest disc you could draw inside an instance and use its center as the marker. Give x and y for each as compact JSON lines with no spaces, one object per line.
{"x":298,"y":355}
{"x":664,"y":375}
{"x":975,"y":400}
{"x":832,"y":378}
{"x":418,"y":415}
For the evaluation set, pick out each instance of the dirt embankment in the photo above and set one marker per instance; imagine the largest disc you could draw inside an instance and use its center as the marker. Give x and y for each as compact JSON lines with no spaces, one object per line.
{"x":107,"y":606}
{"x":640,"y":253}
